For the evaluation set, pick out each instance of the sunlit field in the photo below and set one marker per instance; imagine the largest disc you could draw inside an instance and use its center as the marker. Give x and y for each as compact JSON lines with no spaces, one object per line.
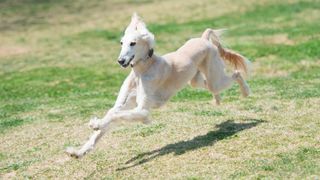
{"x":58,"y":68}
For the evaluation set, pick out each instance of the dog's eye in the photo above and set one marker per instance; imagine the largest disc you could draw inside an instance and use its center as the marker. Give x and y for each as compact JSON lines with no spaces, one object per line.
{"x":121,"y":42}
{"x":132,"y":43}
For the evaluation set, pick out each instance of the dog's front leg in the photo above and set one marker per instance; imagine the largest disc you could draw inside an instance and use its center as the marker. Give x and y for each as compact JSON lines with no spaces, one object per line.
{"x":126,"y":116}
{"x":98,"y":133}
{"x":134,"y":115}
{"x":88,"y":146}
{"x":126,"y":100}
{"x":130,"y":103}
{"x":138,"y":114}
{"x":126,"y":89}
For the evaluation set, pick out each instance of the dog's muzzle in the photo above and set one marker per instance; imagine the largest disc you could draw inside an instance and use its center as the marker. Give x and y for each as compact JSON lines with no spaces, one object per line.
{"x":122,"y":61}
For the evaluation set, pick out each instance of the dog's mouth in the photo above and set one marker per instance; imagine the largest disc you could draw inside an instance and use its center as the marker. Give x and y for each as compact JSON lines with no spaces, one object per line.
{"x":127,"y":64}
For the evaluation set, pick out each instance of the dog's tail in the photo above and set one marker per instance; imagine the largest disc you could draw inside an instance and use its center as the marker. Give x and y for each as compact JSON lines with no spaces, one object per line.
{"x":237,"y":60}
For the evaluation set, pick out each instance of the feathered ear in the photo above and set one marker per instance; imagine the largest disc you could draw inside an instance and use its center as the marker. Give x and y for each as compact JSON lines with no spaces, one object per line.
{"x":149,"y":37}
{"x":135,"y":21}
{"x":139,"y":26}
{"x":144,"y":32}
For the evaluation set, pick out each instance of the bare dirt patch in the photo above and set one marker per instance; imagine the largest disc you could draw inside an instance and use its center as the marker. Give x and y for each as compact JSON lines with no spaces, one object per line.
{"x":10,"y":175}
{"x":279,"y":39}
{"x":6,"y":51}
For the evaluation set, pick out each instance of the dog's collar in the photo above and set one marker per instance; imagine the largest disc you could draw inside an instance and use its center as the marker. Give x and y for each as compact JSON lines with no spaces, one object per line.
{"x":150,"y":53}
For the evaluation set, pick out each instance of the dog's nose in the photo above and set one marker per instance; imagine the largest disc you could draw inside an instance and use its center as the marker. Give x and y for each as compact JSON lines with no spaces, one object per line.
{"x":121,"y":61}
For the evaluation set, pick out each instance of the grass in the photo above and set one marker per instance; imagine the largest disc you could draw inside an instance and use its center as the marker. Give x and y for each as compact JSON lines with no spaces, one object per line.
{"x":58,"y":68}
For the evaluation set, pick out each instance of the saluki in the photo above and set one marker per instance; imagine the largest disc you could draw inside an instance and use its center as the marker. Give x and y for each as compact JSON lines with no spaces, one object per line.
{"x":154,"y":79}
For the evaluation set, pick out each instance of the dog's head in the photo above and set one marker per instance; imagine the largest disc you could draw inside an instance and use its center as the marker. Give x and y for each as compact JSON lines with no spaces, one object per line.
{"x":136,"y":44}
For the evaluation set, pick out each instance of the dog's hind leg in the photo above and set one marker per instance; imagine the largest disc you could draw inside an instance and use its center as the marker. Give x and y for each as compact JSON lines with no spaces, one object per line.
{"x":244,"y":88}
{"x":217,"y":79}
{"x":212,"y":74}
{"x":198,"y":81}
{"x":214,"y":65}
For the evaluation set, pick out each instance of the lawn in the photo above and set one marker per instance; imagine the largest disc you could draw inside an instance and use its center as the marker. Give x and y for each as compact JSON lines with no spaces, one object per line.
{"x":58,"y":69}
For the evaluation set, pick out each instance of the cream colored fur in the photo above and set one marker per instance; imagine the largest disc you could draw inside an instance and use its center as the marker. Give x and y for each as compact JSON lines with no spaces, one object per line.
{"x":153,"y":80}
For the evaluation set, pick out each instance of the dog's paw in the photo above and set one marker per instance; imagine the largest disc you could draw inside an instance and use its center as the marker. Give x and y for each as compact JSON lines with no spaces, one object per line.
{"x":94,"y":123}
{"x":245,"y":91}
{"x":217,"y":99}
{"x":71,"y":151}
{"x":244,"y":88}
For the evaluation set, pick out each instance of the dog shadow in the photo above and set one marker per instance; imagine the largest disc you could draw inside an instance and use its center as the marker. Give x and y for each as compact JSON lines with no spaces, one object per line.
{"x":225,"y":129}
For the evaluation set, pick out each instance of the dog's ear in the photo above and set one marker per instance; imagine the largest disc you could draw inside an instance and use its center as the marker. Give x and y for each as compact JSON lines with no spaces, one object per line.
{"x":146,"y":34}
{"x":148,"y":37}
{"x":143,"y":30}
{"x":136,"y":22}
{"x":137,"y":25}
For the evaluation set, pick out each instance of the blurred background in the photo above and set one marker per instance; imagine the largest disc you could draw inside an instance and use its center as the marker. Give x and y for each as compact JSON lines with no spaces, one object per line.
{"x":58,"y":68}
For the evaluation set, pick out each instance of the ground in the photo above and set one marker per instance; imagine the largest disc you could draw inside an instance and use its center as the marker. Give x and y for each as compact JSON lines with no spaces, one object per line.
{"x":58,"y":69}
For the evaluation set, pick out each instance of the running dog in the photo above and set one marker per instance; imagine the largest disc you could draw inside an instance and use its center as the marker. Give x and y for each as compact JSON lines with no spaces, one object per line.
{"x":154,"y":79}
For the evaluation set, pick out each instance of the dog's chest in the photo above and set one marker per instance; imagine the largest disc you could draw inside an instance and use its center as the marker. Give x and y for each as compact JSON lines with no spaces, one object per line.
{"x":147,"y":92}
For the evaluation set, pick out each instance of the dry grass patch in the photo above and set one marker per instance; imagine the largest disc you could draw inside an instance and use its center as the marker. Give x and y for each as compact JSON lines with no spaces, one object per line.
{"x":67,"y":73}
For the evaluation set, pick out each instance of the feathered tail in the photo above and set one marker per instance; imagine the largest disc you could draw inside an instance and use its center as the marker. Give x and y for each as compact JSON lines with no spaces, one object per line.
{"x":236,"y":59}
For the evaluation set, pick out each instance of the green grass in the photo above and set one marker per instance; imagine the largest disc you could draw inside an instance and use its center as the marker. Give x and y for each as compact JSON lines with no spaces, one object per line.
{"x":301,"y":162}
{"x":58,"y":69}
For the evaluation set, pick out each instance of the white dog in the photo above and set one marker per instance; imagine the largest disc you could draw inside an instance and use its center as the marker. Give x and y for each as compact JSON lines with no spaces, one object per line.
{"x":154,"y":79}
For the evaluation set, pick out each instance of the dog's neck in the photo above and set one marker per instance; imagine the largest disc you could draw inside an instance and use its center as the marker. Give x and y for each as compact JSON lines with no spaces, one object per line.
{"x":144,"y":64}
